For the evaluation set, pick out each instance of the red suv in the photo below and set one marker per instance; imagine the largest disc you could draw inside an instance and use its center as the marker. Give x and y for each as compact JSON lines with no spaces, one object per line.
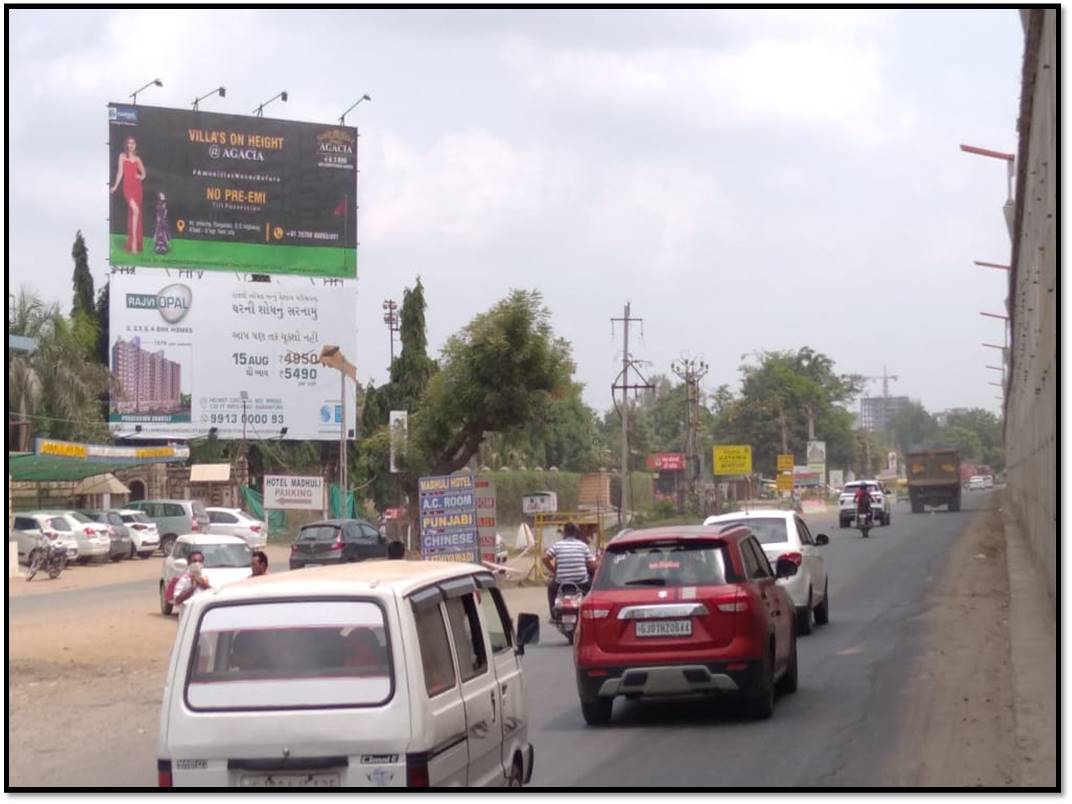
{"x":685,"y":611}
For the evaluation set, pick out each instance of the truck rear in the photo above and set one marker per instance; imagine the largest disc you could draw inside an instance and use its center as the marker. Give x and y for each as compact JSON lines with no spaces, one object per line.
{"x":933,"y":478}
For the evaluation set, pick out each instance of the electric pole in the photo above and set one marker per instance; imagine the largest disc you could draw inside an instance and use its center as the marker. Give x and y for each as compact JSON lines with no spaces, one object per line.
{"x":691,"y":371}
{"x":622,"y":382}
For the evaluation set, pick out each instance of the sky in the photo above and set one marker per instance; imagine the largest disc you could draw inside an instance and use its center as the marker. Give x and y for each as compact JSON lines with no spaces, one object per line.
{"x":747,"y":180}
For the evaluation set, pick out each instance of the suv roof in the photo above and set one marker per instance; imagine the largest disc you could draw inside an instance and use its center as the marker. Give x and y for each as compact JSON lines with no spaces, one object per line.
{"x":684,"y":532}
{"x":334,"y":523}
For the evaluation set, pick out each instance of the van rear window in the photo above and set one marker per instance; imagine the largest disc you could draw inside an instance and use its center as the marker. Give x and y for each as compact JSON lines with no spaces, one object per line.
{"x":314,"y":654}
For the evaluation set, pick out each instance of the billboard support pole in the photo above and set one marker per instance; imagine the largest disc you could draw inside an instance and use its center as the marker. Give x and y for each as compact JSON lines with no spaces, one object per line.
{"x":342,"y":445}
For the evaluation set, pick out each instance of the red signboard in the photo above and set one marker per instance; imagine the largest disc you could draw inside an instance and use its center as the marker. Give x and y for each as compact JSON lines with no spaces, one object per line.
{"x":666,"y":462}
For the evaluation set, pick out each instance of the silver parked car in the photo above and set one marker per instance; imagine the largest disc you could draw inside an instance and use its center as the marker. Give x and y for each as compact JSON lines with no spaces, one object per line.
{"x":122,"y":545}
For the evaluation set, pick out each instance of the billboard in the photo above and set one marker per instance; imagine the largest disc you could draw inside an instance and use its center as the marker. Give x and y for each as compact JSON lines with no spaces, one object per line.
{"x":448,"y":518}
{"x":665,"y":462}
{"x":192,"y":189}
{"x":184,"y":350}
{"x":486,"y":519}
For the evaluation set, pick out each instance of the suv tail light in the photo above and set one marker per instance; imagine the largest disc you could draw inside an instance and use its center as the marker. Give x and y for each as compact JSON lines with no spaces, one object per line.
{"x":734,"y":603}
{"x":417,"y":770}
{"x":163,"y":773}
{"x":594,"y":614}
{"x":255,"y":528}
{"x":49,"y":534}
{"x":796,"y":558}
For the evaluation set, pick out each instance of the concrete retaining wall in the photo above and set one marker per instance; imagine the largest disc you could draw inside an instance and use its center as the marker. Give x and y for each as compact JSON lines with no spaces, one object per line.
{"x":1031,"y":392}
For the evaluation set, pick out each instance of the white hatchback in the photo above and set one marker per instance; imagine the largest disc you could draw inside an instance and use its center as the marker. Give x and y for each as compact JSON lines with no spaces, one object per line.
{"x":143,"y":531}
{"x":236,"y":522}
{"x":226,"y":561}
{"x":784,"y":534}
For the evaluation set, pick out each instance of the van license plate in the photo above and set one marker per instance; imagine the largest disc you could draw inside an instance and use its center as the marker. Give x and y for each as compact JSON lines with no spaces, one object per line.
{"x":292,"y":780}
{"x":663,"y":628}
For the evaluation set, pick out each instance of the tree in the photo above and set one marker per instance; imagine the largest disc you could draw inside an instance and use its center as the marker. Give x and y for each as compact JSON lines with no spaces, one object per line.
{"x":786,"y":397}
{"x":987,"y":429}
{"x":82,"y":278}
{"x":58,"y":385}
{"x":912,"y":426}
{"x":101,"y":312}
{"x":498,"y":374}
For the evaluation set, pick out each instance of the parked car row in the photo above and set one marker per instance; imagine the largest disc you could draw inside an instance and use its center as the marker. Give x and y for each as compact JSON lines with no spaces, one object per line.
{"x":85,"y":539}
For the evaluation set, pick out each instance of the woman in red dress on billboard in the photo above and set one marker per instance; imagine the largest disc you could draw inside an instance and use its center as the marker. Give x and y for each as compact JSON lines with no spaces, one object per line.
{"x":131,"y":172}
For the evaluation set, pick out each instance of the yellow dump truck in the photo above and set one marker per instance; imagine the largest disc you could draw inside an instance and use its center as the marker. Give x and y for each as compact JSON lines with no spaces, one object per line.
{"x":933,"y":478}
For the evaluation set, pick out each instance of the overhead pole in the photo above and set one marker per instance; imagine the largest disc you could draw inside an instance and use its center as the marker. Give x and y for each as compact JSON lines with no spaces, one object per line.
{"x":691,"y":371}
{"x":626,"y":387}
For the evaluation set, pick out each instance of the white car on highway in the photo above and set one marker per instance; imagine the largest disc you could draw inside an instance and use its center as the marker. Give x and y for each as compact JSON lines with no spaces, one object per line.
{"x":236,"y":522}
{"x":784,"y":534}
{"x":881,"y":502}
{"x":226,"y":561}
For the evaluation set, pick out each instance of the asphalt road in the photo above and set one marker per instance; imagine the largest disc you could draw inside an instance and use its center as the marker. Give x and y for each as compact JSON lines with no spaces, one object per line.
{"x":839,"y":728}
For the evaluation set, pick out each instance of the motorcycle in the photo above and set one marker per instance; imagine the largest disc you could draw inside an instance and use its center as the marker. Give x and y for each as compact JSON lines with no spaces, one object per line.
{"x":864,"y":521}
{"x":567,"y":608}
{"x":47,"y":556}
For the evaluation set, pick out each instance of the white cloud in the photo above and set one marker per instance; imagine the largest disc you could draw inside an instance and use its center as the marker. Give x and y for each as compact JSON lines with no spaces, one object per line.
{"x":832,"y":85}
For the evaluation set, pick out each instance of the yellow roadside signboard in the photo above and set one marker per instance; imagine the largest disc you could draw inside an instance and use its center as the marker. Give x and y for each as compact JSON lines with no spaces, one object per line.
{"x":785,"y":462}
{"x":733,"y":459}
{"x":784,"y":481}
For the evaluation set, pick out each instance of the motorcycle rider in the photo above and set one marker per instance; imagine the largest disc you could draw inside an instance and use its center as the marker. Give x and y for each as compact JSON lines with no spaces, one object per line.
{"x":863,"y":501}
{"x":571,"y":561}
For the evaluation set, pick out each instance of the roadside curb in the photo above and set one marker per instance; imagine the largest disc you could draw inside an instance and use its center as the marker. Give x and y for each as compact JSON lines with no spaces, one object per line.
{"x":1033,"y":643}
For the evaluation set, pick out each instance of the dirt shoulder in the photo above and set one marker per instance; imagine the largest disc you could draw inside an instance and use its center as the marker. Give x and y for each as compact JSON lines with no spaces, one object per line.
{"x":959,"y":716}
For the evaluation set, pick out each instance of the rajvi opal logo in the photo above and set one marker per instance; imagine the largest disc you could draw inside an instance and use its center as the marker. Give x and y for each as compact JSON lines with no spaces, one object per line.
{"x":173,"y":302}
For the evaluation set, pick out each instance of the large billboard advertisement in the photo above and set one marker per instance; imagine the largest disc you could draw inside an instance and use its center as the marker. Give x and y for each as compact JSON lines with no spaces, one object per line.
{"x":184,"y":349}
{"x":192,"y":189}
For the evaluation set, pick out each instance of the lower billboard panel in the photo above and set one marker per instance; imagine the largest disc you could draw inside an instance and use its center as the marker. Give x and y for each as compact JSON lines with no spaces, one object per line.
{"x":184,"y":351}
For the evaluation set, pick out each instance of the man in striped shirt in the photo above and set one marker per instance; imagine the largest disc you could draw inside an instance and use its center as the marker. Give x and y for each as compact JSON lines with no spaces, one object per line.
{"x":570,"y":560}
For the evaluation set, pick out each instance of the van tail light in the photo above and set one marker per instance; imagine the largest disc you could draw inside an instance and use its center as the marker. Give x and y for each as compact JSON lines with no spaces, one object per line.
{"x":734,"y":603}
{"x":163,"y":773}
{"x":796,"y":558}
{"x":417,"y":770}
{"x":594,"y":614}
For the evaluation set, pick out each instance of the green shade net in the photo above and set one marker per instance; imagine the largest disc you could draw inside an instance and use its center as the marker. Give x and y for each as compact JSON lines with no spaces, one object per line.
{"x":277,"y":519}
{"x":341,"y":509}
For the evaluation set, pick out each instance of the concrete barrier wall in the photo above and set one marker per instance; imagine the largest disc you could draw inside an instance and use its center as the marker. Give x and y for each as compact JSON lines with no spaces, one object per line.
{"x":1031,"y":392}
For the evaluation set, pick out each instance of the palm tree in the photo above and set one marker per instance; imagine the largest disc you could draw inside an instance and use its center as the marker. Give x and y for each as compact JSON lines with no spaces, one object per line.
{"x":58,"y":384}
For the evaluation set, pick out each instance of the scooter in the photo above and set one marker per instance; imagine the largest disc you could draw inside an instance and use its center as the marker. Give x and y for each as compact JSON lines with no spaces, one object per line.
{"x":566,"y":609}
{"x":864,"y":521}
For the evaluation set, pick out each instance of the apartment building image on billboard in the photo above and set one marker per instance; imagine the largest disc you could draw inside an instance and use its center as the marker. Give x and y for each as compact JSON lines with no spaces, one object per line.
{"x":146,"y":381}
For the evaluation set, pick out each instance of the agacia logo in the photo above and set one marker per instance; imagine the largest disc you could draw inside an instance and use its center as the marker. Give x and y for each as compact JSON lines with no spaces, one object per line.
{"x":335,"y":141}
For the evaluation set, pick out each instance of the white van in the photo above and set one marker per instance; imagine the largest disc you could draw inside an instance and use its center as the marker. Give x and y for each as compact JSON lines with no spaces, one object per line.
{"x":374,"y":674}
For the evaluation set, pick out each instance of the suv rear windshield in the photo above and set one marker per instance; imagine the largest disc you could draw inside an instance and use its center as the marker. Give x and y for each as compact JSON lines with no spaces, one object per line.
{"x":768,"y":531}
{"x":688,"y":563}
{"x":318,"y":533}
{"x":311,"y":654}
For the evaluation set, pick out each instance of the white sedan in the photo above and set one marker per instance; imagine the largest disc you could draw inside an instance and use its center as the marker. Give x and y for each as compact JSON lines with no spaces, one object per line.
{"x":227,"y":560}
{"x":236,"y":522}
{"x":784,"y":534}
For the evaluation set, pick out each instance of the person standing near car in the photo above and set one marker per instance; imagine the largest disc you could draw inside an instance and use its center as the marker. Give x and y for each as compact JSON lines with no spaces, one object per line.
{"x":258,"y":563}
{"x":570,"y":560}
